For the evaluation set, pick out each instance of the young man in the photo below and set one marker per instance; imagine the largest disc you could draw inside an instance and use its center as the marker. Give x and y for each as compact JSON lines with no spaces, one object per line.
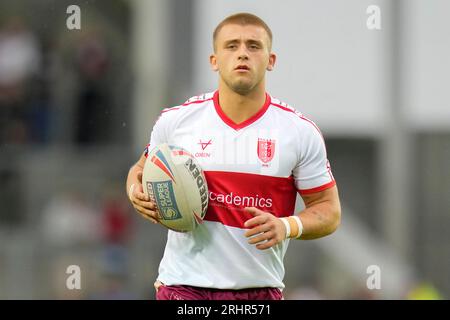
{"x":257,"y":153}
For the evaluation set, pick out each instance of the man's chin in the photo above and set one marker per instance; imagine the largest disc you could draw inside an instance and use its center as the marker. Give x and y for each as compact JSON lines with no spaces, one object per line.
{"x":242,"y":88}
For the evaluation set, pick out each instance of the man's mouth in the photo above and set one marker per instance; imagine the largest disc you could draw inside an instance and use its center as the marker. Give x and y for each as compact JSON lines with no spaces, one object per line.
{"x":242,"y":67}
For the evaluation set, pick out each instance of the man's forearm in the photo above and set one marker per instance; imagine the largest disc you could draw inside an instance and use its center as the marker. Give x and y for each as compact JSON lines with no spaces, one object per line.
{"x":319,"y":220}
{"x":133,"y":177}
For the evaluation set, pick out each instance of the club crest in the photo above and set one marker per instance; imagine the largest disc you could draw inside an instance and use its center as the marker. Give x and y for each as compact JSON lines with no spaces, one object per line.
{"x":266,"y":149}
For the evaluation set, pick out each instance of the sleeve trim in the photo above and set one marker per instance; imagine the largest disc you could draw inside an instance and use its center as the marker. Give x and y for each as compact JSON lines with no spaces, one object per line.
{"x":146,"y":151}
{"x":317,"y":189}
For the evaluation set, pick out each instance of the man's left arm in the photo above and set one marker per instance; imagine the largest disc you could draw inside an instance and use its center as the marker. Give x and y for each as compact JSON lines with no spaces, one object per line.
{"x":317,"y":187}
{"x":321,"y":217}
{"x":322,"y":214}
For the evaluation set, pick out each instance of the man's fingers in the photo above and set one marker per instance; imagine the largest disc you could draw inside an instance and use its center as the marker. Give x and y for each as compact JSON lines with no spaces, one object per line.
{"x":256,"y":230}
{"x":255,"y":221}
{"x":141,"y":202}
{"x":137,"y":191}
{"x":266,"y":245}
{"x":254,"y":211}
{"x":259,"y":217}
{"x":262,"y":237}
{"x":141,"y":196}
{"x":145,"y":204}
{"x":262,"y":229}
{"x":148,"y":212}
{"x":151,"y":215}
{"x":148,"y":218}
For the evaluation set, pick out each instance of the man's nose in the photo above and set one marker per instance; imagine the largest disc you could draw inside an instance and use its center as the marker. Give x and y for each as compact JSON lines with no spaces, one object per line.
{"x":243,"y":53}
{"x":243,"y":57}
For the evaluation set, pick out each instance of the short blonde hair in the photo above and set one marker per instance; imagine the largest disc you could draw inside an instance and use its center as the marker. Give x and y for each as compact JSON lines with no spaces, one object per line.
{"x":242,"y":19}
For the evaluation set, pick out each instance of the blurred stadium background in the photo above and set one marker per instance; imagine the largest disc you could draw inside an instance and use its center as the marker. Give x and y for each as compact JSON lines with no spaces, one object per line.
{"x":77,"y":107}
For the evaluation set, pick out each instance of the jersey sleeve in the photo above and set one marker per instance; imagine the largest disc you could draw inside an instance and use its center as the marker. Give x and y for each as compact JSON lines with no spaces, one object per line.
{"x":158,"y":134}
{"x":312,"y":172}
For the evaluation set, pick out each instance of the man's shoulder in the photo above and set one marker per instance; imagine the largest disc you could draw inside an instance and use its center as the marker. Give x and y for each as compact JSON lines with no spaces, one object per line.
{"x":289,"y":111}
{"x":194,"y":101}
{"x":284,"y":106}
{"x":200,"y":98}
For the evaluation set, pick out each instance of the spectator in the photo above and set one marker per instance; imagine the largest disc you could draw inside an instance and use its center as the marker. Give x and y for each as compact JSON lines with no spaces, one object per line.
{"x":68,"y":220}
{"x":93,"y":108}
{"x":20,"y":59}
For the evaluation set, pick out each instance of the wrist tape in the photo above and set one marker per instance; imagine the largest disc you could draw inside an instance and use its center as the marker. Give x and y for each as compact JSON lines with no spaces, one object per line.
{"x":294,"y":226}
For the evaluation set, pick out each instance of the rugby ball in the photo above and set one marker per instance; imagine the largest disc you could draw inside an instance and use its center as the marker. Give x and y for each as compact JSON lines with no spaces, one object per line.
{"x":175,"y":182}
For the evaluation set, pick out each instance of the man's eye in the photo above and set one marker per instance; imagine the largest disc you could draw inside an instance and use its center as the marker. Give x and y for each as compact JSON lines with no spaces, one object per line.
{"x":254,"y":46}
{"x":231,"y":46}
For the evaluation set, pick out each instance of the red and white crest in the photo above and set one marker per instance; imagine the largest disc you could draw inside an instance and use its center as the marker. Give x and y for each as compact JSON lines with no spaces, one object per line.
{"x":266,"y":149}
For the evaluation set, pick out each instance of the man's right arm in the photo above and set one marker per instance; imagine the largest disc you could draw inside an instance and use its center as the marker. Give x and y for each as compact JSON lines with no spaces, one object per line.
{"x":135,"y":192}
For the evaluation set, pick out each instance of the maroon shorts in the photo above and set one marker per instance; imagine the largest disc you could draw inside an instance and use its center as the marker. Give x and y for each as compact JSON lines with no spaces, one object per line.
{"x":164,"y":292}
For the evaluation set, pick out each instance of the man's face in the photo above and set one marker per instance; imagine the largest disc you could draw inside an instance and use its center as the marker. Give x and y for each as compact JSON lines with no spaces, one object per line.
{"x":242,"y":56}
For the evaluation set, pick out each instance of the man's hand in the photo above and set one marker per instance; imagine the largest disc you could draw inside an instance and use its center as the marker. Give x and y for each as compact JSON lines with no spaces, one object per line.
{"x":267,"y":229}
{"x":141,"y":202}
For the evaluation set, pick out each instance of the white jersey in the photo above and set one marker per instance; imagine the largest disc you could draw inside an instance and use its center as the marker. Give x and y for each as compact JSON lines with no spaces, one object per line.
{"x":262,"y":162}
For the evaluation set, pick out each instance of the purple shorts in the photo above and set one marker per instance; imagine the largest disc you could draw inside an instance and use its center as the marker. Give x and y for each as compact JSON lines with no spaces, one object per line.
{"x":178,"y":292}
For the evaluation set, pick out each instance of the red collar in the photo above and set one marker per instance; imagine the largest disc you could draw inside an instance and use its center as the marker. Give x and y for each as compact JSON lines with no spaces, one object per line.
{"x":249,"y":121}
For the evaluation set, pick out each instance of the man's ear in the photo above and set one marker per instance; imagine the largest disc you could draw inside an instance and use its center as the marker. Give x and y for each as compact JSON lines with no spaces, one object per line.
{"x":213,"y":62}
{"x":272,"y":60}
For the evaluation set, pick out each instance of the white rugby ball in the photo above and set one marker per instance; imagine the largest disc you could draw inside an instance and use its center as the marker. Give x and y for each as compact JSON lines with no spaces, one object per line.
{"x":175,"y":182}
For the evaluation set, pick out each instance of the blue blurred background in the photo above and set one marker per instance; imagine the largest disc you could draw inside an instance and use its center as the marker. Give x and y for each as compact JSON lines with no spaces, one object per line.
{"x":77,"y":108}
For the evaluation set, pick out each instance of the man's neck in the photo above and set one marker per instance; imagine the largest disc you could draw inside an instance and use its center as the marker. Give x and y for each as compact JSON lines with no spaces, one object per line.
{"x":239,"y":107}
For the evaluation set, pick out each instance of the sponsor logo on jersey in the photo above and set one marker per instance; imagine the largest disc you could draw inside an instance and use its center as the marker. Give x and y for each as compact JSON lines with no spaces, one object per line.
{"x":241,"y":201}
{"x":266,"y":150}
{"x":204,"y":145}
